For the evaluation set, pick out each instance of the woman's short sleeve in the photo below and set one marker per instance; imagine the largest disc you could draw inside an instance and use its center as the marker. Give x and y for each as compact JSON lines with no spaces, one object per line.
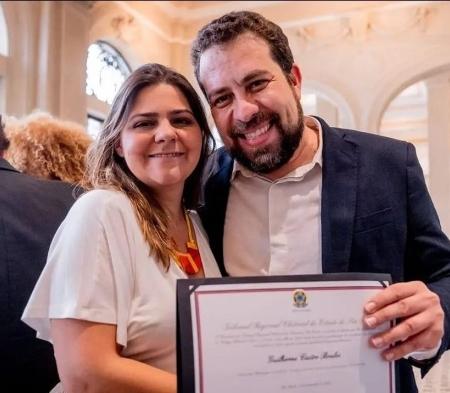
{"x":89,"y":270}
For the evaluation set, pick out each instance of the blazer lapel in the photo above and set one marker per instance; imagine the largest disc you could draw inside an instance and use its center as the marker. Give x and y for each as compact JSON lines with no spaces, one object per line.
{"x":339,"y":188}
{"x":216,"y":191}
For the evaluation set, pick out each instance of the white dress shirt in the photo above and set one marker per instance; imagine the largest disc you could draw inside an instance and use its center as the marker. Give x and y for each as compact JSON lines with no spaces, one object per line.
{"x":274,"y":227}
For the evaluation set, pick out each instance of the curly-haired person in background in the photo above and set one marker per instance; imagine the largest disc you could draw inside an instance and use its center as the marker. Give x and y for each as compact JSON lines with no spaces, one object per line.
{"x":46,"y":147}
{"x":29,"y":363}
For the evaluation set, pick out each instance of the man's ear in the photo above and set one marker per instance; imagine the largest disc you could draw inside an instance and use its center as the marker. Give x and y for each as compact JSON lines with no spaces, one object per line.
{"x":295,"y":76}
{"x":119,"y":150}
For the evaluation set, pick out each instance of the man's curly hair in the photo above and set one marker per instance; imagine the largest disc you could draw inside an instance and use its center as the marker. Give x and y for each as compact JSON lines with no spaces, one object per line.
{"x":4,"y":142}
{"x":231,"y":25}
{"x":46,"y":147}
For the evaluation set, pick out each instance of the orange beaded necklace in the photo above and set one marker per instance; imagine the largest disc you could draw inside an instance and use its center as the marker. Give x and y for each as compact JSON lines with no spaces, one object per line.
{"x":190,"y":261}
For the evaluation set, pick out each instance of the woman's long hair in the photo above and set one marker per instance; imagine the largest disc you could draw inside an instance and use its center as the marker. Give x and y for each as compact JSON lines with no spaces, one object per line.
{"x":105,"y":169}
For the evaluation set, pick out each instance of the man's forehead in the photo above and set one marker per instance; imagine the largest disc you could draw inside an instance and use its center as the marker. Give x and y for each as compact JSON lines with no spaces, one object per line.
{"x":241,"y":43}
{"x":234,"y":59}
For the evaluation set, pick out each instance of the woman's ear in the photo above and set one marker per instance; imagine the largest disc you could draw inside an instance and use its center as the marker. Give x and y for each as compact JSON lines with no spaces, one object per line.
{"x":119,"y":149}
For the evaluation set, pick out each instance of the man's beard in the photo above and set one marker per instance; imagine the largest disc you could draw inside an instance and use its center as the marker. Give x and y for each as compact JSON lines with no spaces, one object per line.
{"x":272,"y":157}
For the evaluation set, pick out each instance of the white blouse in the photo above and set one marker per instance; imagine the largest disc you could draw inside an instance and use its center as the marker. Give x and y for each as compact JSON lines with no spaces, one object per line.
{"x":99,"y":270}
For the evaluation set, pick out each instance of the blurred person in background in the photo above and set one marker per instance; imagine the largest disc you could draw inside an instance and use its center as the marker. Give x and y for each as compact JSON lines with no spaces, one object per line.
{"x":47,"y":147}
{"x":31,"y":210}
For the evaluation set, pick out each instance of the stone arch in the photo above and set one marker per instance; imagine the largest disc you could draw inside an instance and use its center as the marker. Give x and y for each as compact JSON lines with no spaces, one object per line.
{"x":111,"y":25}
{"x":397,"y":84}
{"x":335,"y":97}
{"x":123,"y":48}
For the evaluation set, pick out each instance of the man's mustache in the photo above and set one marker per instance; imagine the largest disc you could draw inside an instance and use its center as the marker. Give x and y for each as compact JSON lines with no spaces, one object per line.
{"x":240,"y":127}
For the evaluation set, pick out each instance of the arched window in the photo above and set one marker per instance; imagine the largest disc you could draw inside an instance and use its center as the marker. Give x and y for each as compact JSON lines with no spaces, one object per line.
{"x":406,"y":118}
{"x":325,"y":103}
{"x":106,"y":70}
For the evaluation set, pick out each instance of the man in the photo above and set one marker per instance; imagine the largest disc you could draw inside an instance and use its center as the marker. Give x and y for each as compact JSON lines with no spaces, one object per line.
{"x":30,"y":213}
{"x":291,"y":195}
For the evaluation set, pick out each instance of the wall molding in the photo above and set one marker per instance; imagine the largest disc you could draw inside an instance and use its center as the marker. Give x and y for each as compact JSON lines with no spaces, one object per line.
{"x":210,"y":11}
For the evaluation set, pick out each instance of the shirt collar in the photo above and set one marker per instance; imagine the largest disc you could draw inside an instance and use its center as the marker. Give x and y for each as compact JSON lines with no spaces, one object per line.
{"x":299,"y":172}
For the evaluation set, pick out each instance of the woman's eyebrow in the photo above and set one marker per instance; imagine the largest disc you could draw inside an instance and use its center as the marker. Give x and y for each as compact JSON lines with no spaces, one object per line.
{"x":144,"y":114}
{"x":180,"y":111}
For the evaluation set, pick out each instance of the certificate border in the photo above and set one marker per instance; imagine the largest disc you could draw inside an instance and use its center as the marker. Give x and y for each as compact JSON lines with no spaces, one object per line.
{"x":185,"y":288}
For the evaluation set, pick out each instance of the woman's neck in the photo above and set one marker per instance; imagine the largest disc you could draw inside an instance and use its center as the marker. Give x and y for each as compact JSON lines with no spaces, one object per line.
{"x":171,"y":203}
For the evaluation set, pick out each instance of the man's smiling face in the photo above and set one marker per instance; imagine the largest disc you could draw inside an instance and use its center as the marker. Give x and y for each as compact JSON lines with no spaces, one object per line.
{"x":255,"y":107}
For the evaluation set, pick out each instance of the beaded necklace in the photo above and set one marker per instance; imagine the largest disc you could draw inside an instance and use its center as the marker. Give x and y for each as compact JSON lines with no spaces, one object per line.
{"x":190,"y":261}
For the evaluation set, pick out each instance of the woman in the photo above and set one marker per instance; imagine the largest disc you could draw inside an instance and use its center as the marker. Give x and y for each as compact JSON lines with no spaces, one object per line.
{"x":106,"y":298}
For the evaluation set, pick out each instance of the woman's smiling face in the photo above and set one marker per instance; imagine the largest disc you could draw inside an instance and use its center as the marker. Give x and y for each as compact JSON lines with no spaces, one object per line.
{"x":161,"y":141}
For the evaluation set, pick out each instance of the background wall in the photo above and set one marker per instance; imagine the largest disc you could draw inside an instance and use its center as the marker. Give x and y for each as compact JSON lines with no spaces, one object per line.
{"x":47,"y":49}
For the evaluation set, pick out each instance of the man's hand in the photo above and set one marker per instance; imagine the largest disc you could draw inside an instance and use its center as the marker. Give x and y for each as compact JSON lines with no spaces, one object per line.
{"x":421,"y":319}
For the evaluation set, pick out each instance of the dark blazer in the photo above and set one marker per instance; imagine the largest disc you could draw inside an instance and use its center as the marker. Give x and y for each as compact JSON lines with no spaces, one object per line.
{"x":30,"y":213}
{"x":377,"y":216}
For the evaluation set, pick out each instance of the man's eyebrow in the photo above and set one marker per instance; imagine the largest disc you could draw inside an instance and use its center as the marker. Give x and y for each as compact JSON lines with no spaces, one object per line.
{"x":254,"y":74}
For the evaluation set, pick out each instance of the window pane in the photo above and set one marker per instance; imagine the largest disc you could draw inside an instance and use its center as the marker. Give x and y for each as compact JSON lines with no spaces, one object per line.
{"x":94,"y":126}
{"x":106,"y":70}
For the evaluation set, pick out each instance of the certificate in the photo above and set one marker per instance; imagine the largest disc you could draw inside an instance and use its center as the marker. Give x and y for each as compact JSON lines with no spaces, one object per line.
{"x":279,"y":334}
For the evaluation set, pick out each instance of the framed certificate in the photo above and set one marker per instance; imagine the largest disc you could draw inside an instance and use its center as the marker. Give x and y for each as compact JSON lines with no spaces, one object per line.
{"x":279,"y":334}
